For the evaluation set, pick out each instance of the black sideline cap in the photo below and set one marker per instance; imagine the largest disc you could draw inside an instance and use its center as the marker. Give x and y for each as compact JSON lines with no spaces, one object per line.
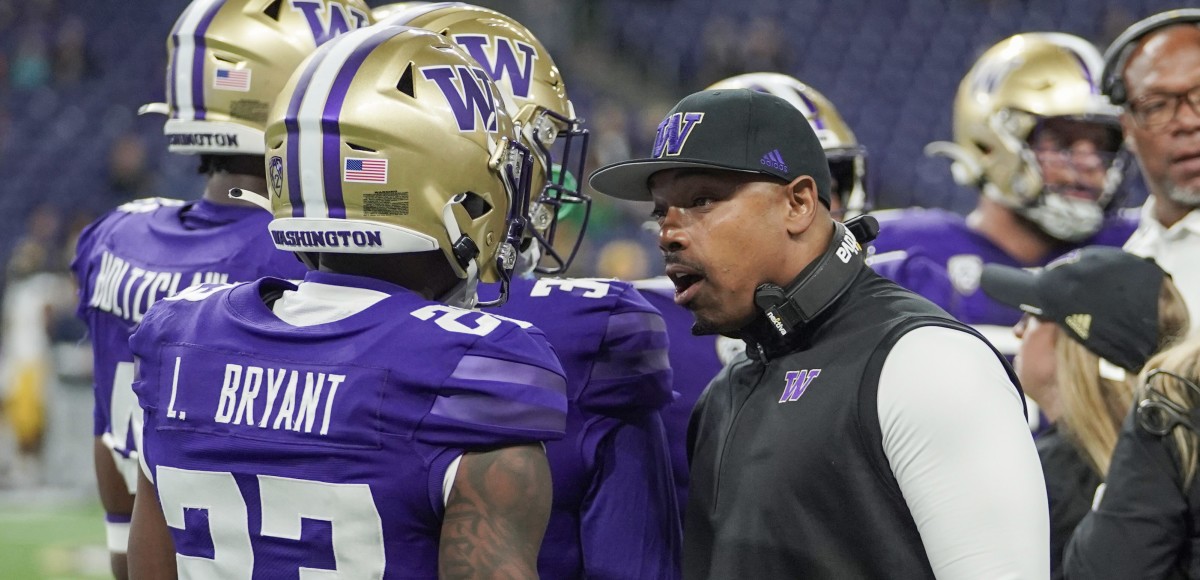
{"x":731,"y":129}
{"x":1103,"y":297}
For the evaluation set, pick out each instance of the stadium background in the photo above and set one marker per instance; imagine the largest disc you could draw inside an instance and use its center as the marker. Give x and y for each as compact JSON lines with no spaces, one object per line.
{"x":74,"y":72}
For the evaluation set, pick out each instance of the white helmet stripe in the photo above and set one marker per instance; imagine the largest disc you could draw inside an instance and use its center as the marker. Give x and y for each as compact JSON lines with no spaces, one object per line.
{"x":309,"y":119}
{"x":782,"y":90}
{"x":187,"y":66}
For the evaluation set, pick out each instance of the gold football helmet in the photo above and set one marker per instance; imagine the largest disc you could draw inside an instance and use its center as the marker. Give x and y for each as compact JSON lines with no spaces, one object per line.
{"x":229,"y":59}
{"x":847,"y":158}
{"x":536,"y":95}
{"x":1017,"y":88}
{"x":394,"y":140}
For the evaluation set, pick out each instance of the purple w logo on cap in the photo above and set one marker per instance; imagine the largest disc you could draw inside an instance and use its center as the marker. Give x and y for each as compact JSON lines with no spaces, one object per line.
{"x":472,"y":102}
{"x":673,"y":133}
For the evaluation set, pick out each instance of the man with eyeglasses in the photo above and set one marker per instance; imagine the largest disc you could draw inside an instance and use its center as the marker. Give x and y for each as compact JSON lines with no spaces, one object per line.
{"x":1153,"y":71}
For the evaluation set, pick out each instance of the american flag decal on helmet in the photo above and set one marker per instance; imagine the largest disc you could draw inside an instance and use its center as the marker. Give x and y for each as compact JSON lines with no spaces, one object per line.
{"x":365,"y":170}
{"x":231,"y":79}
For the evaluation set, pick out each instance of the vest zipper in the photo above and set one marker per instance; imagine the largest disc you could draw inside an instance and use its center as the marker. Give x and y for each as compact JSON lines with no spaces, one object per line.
{"x":729,"y":433}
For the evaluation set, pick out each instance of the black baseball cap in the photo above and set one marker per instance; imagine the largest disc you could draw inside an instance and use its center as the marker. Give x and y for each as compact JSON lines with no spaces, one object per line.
{"x":731,"y":129}
{"x":1103,"y":297}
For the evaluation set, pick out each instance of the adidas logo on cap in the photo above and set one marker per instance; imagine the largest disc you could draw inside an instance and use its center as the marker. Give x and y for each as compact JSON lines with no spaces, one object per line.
{"x":1080,"y":323}
{"x":774,"y":160}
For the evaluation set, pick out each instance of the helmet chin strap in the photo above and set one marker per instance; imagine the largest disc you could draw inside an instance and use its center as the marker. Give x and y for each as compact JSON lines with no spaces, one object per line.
{"x":464,"y":295}
{"x":515,"y":169}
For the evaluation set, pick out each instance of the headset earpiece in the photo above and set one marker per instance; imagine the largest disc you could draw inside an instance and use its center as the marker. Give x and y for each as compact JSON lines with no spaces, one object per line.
{"x":1111,"y":82}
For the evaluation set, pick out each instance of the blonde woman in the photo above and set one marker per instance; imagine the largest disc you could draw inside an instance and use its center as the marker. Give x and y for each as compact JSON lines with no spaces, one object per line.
{"x":1146,"y":521}
{"x":1092,"y":319}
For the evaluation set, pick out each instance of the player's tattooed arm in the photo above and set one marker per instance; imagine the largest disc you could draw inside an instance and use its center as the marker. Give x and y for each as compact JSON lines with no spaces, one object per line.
{"x":496,"y":515}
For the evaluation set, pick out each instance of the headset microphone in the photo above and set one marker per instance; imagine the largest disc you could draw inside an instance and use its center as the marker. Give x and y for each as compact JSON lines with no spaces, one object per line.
{"x":822,"y":282}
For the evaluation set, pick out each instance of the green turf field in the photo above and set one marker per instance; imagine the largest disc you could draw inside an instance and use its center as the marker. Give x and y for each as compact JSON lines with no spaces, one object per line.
{"x":52,"y":541}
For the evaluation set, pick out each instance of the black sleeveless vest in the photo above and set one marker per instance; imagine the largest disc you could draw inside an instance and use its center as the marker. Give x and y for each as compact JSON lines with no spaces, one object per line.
{"x":788,"y":474}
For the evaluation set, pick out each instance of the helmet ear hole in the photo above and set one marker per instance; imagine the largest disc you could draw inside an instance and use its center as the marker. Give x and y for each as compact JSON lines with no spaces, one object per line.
{"x":475,"y":205}
{"x":272,"y":10}
{"x":405,"y":84}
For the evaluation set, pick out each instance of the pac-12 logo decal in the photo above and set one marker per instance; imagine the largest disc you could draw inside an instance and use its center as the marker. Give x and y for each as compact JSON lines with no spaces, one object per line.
{"x":673,"y":132}
{"x":467,"y":91}
{"x":965,"y":270}
{"x":501,"y":59}
{"x":796,"y":382}
{"x":329,"y":19}
{"x":275,"y":173}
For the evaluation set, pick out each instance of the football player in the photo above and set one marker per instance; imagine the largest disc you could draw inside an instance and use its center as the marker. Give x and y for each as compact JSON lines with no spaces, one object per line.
{"x":695,"y":360}
{"x":1034,"y":135}
{"x":354,"y":424}
{"x":228,"y":59}
{"x":615,"y":514}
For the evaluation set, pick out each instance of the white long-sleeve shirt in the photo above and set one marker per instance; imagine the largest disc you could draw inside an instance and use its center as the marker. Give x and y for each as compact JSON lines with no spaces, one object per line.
{"x":963,"y":456}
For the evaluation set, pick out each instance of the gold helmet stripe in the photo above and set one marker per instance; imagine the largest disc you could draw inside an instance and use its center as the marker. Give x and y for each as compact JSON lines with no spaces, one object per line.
{"x":187,"y":66}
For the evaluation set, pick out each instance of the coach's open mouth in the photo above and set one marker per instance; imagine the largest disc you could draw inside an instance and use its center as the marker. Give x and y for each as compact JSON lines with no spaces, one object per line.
{"x":686,"y":280}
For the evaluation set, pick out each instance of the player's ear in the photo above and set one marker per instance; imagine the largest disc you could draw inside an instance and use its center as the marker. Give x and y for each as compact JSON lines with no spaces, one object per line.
{"x":803,"y":204}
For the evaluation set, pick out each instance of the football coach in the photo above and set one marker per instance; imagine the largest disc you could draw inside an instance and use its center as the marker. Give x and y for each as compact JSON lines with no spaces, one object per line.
{"x":865,"y":433}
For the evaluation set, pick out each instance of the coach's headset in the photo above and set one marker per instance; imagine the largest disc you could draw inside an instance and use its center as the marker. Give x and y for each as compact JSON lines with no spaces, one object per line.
{"x":1112,"y":83}
{"x":822,"y":282}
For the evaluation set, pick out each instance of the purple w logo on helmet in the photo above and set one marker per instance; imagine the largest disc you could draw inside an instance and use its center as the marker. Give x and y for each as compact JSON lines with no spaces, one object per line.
{"x":673,"y":133}
{"x":329,"y":19}
{"x":502,"y":61}
{"x":466,"y":89}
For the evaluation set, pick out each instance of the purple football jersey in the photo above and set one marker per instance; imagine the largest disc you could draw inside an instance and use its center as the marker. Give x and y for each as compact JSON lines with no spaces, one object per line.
{"x":615,"y":513}
{"x":933,"y":253}
{"x":694,"y":361}
{"x":276,"y":448}
{"x":144,"y":251}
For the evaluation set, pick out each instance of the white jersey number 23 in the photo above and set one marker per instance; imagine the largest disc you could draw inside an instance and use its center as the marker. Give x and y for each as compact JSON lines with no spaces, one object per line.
{"x":349,"y":508}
